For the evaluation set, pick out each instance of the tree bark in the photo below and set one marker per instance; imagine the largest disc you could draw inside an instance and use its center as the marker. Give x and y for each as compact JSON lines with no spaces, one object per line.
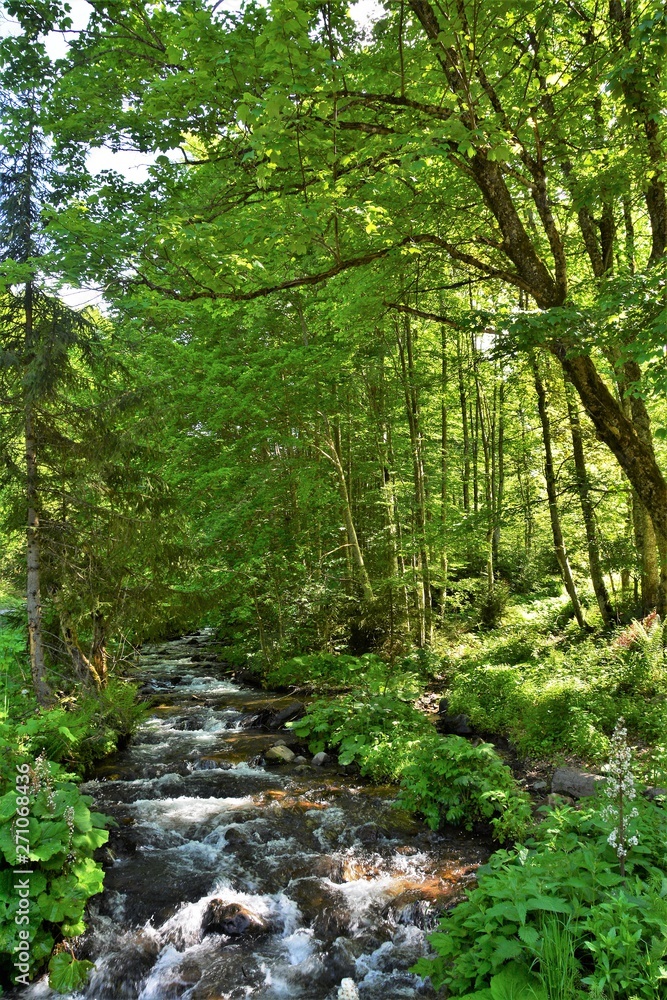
{"x":405,"y":350}
{"x":500,"y":485}
{"x":464,"y":426}
{"x":444,"y":468}
{"x":84,"y":668}
{"x":332,"y":453}
{"x":556,"y":529}
{"x":98,"y":652}
{"x":43,"y":692}
{"x":635,"y":456}
{"x":583,"y":489}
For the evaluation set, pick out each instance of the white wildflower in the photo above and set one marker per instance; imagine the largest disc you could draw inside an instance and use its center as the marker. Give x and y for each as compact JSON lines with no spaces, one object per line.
{"x":620,"y":790}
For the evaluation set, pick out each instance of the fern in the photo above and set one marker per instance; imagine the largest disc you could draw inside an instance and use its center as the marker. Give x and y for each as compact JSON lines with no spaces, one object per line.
{"x":650,"y":638}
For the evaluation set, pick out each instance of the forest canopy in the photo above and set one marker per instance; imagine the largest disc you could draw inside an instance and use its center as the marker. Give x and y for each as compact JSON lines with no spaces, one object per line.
{"x":381,"y":333}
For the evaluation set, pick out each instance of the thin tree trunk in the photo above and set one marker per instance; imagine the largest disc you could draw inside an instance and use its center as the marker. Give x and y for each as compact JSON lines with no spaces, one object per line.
{"x":583,"y":489}
{"x":474,"y":423}
{"x":98,"y":653}
{"x":485,"y":427}
{"x":412,"y":411}
{"x":444,"y":470}
{"x":83,"y":666}
{"x":500,"y":488}
{"x":464,"y":425}
{"x":557,"y":531}
{"x":43,"y":692}
{"x":333,"y":454}
{"x":525,"y":489}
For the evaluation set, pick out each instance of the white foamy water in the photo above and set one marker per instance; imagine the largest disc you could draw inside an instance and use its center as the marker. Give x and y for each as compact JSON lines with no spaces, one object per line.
{"x":183,"y":813}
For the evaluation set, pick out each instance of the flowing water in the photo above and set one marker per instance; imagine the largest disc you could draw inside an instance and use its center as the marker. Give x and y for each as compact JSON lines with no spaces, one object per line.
{"x":227,"y":878}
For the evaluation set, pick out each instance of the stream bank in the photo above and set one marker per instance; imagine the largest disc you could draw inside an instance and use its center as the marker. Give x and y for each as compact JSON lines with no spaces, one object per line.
{"x":228,"y":877}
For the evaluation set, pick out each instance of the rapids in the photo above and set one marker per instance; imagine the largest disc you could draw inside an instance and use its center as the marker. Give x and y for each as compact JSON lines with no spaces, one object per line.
{"x":227,"y":878}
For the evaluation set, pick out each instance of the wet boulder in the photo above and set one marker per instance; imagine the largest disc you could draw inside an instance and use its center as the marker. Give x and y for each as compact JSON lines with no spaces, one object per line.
{"x":369,"y":833}
{"x":279,"y":755}
{"x":455,"y":725}
{"x":320,"y":759}
{"x":258,"y":720}
{"x":232,"y":919}
{"x":576,"y":784}
{"x":210,"y":764}
{"x":323,"y":909}
{"x":288,"y":714}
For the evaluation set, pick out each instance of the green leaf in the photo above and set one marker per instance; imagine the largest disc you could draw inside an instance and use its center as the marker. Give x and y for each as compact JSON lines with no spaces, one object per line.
{"x":550,"y":904}
{"x":516,"y":982}
{"x":67,"y":973}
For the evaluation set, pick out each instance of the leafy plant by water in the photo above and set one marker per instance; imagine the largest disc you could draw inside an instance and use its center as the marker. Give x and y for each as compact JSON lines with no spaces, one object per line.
{"x":63,"y":834}
{"x":445,"y":779}
{"x":562,"y":893}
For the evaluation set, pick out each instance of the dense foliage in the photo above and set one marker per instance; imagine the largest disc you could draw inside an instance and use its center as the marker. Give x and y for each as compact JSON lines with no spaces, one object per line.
{"x":50,"y":752}
{"x":375,"y":366}
{"x":557,"y":915}
{"x":444,"y":778}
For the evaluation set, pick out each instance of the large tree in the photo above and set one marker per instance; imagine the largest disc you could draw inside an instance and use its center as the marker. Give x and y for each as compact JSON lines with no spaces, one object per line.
{"x":506,"y":144}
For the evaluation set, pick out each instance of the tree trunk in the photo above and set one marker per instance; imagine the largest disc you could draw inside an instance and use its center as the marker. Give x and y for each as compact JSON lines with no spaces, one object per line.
{"x":444,"y":470}
{"x":646,"y":545}
{"x":43,"y":692}
{"x":464,"y":426}
{"x":500,"y":486}
{"x":332,"y":453}
{"x":405,"y":350}
{"x":98,"y":653}
{"x":583,"y":489}
{"x":525,"y":488}
{"x":635,"y":456}
{"x":84,"y":669}
{"x":484,"y":425}
{"x":559,"y":542}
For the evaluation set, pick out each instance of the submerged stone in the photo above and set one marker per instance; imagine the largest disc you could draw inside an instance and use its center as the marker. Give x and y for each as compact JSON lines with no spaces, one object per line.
{"x":279,"y":755}
{"x":231,"y":919}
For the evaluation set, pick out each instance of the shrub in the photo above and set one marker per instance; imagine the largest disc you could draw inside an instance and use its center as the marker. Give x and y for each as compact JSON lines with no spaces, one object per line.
{"x":444,"y":778}
{"x":377,"y":732}
{"x":336,"y":672}
{"x":566,"y":881}
{"x":61,"y":835}
{"x":61,"y":831}
{"x":448,"y":780}
{"x":493,"y":604}
{"x":491,"y":696}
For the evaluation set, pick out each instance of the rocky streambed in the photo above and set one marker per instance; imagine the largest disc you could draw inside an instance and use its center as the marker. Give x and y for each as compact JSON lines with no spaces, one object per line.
{"x":233,"y":875}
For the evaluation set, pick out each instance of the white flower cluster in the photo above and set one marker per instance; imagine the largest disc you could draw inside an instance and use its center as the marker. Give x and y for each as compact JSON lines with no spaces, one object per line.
{"x":348,"y":990}
{"x":620,"y":790}
{"x":40,"y":777}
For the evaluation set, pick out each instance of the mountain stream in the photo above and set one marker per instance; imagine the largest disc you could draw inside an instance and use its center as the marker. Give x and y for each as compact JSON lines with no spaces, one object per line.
{"x":229,"y":878}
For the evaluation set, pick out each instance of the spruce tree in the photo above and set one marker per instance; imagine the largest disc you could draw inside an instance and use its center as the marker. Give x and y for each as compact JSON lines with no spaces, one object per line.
{"x":36,"y":329}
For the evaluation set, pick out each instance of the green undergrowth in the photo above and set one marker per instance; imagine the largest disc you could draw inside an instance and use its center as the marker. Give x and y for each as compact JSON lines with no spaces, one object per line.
{"x":334,"y":672}
{"x":556,"y":920}
{"x":554,"y":694}
{"x":445,"y":779}
{"x":46,"y":823}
